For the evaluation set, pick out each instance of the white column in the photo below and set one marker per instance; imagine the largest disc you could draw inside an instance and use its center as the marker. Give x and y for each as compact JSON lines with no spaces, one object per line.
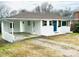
{"x":12,"y":29}
{"x":21,"y":26}
{"x":61,"y":23}
{"x":40,"y":27}
{"x":57,"y":25}
{"x":32,"y":26}
{"x":2,"y":27}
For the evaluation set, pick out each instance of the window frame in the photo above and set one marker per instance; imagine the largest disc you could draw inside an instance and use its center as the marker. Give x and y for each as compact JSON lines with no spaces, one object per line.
{"x":44,"y":23}
{"x":28,"y":23}
{"x":23,"y":22}
{"x":50,"y":23}
{"x":65,"y":23}
{"x":11,"y":25}
{"x":59,"y":23}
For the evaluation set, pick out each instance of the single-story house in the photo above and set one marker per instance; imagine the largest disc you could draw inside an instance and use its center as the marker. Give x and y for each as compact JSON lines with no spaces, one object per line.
{"x":46,"y":24}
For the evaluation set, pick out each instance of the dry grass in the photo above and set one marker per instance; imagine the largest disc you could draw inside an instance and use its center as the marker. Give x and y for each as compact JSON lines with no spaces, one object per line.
{"x":67,"y":38}
{"x":25,"y":48}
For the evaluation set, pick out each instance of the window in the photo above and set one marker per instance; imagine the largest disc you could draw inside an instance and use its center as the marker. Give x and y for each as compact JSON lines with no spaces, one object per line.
{"x":11,"y":25}
{"x":29,"y":23}
{"x":23,"y":22}
{"x":44,"y":23}
{"x":59,"y":23}
{"x":50,"y":23}
{"x":63,"y":23}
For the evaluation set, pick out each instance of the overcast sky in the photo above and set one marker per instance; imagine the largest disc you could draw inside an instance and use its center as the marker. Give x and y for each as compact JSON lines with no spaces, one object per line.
{"x":30,"y":5}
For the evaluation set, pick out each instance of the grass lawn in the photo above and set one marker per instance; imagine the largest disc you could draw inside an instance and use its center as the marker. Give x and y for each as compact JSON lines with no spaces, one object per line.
{"x":25,"y":48}
{"x":72,"y":38}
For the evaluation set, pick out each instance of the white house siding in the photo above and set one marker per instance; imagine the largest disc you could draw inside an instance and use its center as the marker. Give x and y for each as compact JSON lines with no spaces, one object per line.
{"x":7,"y":26}
{"x":25,"y":27}
{"x":8,"y":29}
{"x":30,"y":28}
{"x":5,"y":32}
{"x":48,"y":30}
{"x":17,"y":26}
{"x":36,"y":28}
{"x":63,"y":29}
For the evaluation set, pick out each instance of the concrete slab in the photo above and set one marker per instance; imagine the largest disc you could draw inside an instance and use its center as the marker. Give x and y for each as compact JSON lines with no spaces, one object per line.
{"x":23,"y":35}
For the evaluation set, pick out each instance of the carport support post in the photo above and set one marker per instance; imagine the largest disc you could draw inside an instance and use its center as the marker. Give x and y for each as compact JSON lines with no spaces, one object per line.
{"x":12,"y":28}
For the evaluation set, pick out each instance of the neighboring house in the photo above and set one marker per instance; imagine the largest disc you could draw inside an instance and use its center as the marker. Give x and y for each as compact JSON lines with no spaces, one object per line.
{"x":35,"y":23}
{"x":75,"y":19}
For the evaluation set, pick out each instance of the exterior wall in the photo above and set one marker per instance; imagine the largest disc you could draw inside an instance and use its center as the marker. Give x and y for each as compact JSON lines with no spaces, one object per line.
{"x":27,"y":28}
{"x":5,"y":32}
{"x":48,"y":30}
{"x":17,"y":26}
{"x":21,"y":26}
{"x":63,"y":29}
{"x":37,"y":29}
{"x":30,"y":28}
{"x":8,"y":29}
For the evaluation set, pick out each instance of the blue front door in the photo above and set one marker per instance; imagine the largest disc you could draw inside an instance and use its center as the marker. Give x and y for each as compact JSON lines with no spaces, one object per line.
{"x":54,"y":25}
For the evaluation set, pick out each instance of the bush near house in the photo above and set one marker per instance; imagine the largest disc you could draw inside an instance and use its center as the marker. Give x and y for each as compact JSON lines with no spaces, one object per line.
{"x":0,"y":26}
{"x":76,"y":28}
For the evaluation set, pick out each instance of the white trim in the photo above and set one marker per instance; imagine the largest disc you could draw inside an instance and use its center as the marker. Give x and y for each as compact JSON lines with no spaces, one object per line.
{"x":12,"y":29}
{"x":7,"y":21}
{"x":32,"y":19}
{"x":26,"y":19}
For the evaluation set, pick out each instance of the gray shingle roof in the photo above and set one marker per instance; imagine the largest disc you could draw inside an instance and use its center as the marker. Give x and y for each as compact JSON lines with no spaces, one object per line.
{"x":26,"y":14}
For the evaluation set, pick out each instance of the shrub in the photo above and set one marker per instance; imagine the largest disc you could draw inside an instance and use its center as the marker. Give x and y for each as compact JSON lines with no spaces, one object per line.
{"x":76,"y":28}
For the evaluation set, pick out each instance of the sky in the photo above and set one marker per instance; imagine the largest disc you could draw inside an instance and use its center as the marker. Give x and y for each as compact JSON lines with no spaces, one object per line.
{"x":30,"y":5}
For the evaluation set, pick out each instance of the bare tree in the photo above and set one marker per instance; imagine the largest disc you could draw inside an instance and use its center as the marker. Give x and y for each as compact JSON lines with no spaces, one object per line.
{"x":45,"y":7}
{"x":14,"y":12}
{"x":4,"y":11}
{"x":37,"y":9}
{"x":49,"y":8}
{"x":67,"y":12}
